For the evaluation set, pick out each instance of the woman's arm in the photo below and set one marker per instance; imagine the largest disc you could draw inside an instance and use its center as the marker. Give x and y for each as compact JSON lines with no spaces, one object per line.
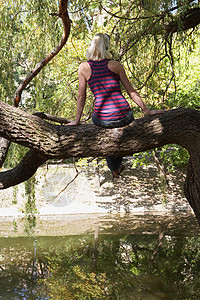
{"x":119,"y":69}
{"x":81,"y":95}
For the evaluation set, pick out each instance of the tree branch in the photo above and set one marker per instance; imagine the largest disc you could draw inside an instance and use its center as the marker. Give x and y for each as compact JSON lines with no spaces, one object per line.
{"x":190,"y":19}
{"x":50,"y":117}
{"x":90,"y":140}
{"x":63,"y":14}
{"x":24,"y":170}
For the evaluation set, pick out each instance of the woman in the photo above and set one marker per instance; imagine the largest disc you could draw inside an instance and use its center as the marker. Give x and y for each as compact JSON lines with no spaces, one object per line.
{"x":103,"y":76}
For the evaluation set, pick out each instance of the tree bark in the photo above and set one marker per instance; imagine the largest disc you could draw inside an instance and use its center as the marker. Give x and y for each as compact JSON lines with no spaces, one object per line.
{"x":192,"y":182}
{"x":63,"y":14}
{"x":4,"y":146}
{"x":179,"y":126}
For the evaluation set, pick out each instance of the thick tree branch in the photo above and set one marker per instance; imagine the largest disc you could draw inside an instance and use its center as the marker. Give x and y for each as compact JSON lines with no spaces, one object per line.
{"x":180,"y":126}
{"x":179,"y":5}
{"x":188,"y":20}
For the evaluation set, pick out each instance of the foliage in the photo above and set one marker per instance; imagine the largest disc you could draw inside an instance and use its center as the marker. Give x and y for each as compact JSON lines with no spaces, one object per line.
{"x":15,"y":153}
{"x":30,"y":207}
{"x":187,"y":88}
{"x":172,"y":156}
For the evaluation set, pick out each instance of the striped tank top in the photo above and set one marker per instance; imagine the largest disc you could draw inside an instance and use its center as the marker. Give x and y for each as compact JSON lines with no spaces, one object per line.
{"x":110,"y":104}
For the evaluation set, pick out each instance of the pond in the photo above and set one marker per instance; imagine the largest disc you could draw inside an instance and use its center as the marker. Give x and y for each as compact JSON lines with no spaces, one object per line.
{"x":109,"y":257}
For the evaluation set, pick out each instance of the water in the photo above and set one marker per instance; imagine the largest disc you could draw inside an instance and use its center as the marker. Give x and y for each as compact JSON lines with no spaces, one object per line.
{"x":132,"y":257}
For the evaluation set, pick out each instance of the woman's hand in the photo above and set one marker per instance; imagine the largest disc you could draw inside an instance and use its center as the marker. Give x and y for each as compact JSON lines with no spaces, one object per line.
{"x":155,"y":112}
{"x":73,"y":123}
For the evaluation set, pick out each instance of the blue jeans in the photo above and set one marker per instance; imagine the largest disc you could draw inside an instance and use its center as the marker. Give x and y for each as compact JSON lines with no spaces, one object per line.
{"x":114,"y":162}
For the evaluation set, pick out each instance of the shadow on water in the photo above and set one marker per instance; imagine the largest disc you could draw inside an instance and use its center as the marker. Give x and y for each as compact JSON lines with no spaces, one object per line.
{"x":133,"y":257}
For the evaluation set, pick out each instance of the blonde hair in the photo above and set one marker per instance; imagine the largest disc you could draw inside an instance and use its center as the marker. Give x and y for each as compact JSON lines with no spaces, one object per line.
{"x":99,"y":47}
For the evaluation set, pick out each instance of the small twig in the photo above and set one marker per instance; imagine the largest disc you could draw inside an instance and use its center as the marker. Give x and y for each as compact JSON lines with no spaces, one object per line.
{"x":126,"y":18}
{"x":141,"y":83}
{"x":56,"y":119}
{"x":160,"y":168}
{"x":77,"y":173}
{"x":128,"y":45}
{"x":55,"y":14}
{"x":169,"y":54}
{"x":153,"y":70}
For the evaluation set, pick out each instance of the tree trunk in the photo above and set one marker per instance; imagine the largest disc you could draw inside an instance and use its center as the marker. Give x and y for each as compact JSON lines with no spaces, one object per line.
{"x":4,"y":146}
{"x":192,"y":182}
{"x":179,"y":126}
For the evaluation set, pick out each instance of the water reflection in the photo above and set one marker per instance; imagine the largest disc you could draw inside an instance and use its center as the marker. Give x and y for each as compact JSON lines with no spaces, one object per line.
{"x":163,"y":264}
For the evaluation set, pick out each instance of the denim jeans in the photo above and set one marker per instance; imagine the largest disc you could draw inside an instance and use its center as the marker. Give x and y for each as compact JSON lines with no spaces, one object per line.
{"x":114,"y":123}
{"x":114,"y":162}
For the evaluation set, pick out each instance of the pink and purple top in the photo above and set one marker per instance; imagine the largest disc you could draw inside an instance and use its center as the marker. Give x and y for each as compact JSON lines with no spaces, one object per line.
{"x":110,"y":104}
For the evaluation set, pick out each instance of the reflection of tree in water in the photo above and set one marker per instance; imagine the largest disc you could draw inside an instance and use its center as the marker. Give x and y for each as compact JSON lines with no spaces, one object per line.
{"x":110,"y":267}
{"x":132,"y":267}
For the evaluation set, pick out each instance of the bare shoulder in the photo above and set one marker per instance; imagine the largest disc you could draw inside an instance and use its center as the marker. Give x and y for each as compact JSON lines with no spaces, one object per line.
{"x":84,"y":70}
{"x":115,"y":66}
{"x":113,"y":61}
{"x":83,"y":66}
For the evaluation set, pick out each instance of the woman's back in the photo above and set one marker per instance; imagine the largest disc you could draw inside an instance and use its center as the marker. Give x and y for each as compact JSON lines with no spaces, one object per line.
{"x":109,"y":101}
